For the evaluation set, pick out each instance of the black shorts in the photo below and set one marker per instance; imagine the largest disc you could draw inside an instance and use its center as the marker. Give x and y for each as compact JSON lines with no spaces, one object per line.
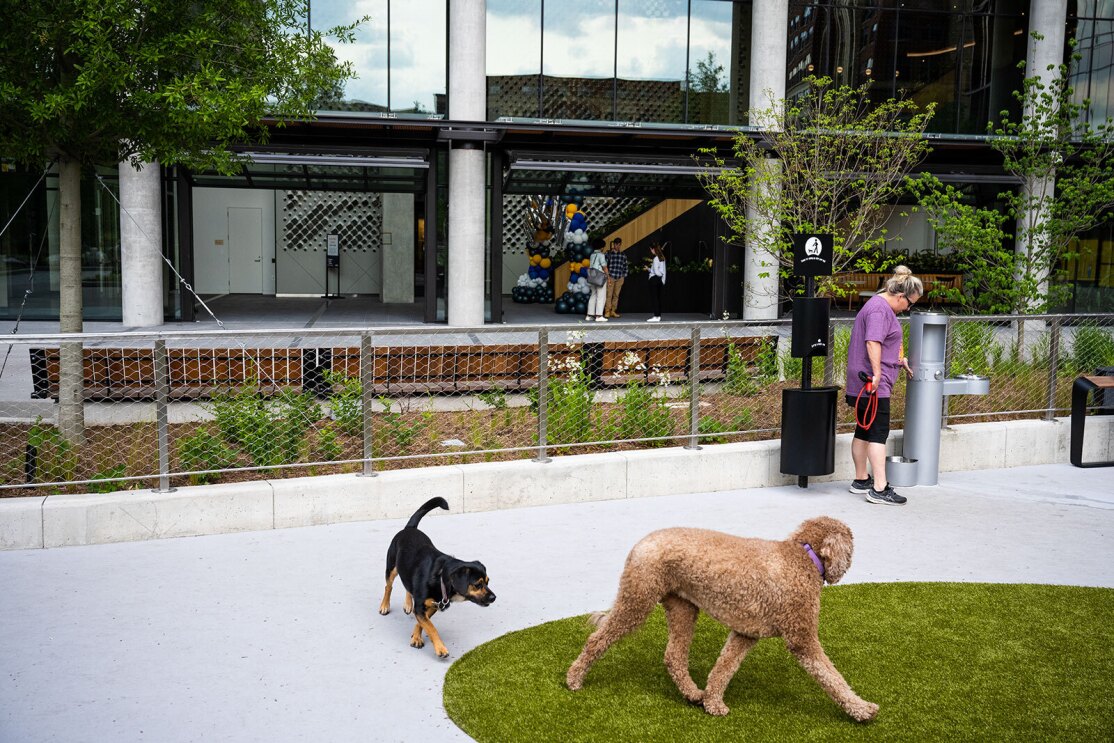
{"x":879,"y":430}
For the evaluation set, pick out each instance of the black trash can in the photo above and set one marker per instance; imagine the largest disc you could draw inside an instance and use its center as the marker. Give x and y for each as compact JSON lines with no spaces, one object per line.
{"x":808,"y":424}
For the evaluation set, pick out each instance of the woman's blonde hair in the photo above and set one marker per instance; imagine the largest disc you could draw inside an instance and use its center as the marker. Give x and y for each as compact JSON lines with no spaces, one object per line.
{"x":904,"y":282}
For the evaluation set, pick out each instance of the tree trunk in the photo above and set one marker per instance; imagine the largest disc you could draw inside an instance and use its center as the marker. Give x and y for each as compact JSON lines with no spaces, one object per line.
{"x":71,"y":408}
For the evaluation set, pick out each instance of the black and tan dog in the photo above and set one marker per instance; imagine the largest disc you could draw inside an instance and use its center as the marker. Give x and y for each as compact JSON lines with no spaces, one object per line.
{"x":432,"y":579}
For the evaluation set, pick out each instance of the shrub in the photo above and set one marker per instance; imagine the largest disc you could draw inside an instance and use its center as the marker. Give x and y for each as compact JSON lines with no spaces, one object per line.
{"x":327,"y":445}
{"x":105,"y":481}
{"x":709,"y":428}
{"x":346,"y":402}
{"x":204,"y":451}
{"x":738,"y":379}
{"x":645,"y":415}
{"x":1093,"y":347}
{"x":270,"y":431}
{"x":402,"y":432}
{"x":52,"y":457}
{"x":972,"y":344}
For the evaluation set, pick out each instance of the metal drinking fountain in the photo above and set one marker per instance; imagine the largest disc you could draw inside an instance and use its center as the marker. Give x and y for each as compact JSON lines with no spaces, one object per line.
{"x":924,"y":401}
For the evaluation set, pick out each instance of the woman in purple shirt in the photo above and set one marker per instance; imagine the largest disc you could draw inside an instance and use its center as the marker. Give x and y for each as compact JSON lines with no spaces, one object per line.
{"x":875,"y":350}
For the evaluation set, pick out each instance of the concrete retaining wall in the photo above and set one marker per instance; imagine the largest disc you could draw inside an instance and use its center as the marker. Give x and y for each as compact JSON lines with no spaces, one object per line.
{"x":64,"y":520}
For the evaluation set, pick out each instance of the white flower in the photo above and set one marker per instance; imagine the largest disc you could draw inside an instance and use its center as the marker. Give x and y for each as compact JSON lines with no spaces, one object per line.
{"x":630,"y":362}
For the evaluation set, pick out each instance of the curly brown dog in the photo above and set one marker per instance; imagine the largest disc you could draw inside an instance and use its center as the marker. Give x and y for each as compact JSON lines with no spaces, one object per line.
{"x":757,"y":587}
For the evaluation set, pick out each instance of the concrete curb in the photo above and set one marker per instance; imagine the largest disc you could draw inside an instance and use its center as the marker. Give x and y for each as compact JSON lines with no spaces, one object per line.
{"x":66,"y":520}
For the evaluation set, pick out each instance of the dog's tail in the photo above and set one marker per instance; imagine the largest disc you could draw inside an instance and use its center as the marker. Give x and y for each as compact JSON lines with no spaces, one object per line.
{"x":428,"y":506}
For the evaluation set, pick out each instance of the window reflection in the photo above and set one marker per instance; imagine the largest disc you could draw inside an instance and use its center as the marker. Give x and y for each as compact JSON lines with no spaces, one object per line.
{"x":514,"y":49}
{"x":418,"y":50}
{"x":963,"y":59}
{"x":578,"y":66}
{"x":650,"y":60}
{"x":1091,"y":75}
{"x":717,"y":74}
{"x":368,"y":53}
{"x":398,"y":55}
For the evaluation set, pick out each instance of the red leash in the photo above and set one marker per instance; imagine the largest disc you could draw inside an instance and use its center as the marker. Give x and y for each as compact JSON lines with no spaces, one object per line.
{"x":871,"y":408}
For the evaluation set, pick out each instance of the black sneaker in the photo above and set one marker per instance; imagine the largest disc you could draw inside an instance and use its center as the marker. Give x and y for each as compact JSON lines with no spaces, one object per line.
{"x":859,"y":487}
{"x":887,"y":497}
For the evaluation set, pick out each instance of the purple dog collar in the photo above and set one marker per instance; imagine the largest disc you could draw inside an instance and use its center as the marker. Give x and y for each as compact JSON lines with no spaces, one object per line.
{"x":815,"y":560}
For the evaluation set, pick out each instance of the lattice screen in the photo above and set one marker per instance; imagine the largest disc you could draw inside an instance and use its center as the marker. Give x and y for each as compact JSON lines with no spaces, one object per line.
{"x":308,"y":216}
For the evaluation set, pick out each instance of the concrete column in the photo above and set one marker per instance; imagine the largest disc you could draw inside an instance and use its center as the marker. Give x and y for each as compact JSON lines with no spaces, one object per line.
{"x":141,"y":244}
{"x":467,"y":174}
{"x":1048,"y":19}
{"x":768,"y":46}
{"x":398,"y":254}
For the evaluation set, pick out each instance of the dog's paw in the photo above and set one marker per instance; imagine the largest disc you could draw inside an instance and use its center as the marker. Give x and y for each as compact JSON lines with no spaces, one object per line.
{"x":574,"y":681}
{"x":384,"y":610}
{"x":863,"y":711}
{"x":442,"y":652}
{"x":693,"y":697}
{"x":715,"y":707}
{"x":419,"y":643}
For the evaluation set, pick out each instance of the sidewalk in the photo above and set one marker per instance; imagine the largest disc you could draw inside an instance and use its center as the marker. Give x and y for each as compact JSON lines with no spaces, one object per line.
{"x":274,"y":636}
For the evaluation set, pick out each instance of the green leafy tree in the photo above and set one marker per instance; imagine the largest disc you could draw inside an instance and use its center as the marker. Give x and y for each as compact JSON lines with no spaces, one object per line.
{"x":975,"y":236}
{"x":829,"y":161}
{"x":708,"y":77}
{"x":85,"y":82}
{"x":1054,"y":140}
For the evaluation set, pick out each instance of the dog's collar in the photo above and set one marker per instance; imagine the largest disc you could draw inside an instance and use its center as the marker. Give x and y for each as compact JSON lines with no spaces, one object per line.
{"x":446,"y":600}
{"x":815,"y":560}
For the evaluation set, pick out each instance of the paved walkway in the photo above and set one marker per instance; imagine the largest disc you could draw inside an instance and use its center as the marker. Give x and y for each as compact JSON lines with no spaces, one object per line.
{"x":274,"y":636}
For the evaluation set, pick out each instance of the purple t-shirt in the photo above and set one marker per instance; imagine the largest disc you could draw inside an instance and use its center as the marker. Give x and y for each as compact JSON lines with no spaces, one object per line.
{"x":876,"y":321}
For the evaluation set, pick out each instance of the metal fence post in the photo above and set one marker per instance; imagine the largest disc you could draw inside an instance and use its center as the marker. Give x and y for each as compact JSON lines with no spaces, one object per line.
{"x":694,"y":390}
{"x":543,"y":392}
{"x":1053,"y":364}
{"x":367,"y":395}
{"x":162,"y":398}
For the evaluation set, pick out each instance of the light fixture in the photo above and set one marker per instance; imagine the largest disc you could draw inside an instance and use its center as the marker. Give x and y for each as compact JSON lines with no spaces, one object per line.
{"x":839,"y":69}
{"x":276,"y":158}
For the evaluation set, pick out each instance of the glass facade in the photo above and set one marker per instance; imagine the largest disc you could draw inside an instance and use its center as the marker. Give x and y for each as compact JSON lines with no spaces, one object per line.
{"x":29,"y":274}
{"x":399,"y":55}
{"x":630,"y":61}
{"x":961,"y":56}
{"x":1092,"y":74}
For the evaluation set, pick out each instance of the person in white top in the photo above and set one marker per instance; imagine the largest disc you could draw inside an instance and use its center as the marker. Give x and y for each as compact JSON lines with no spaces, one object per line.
{"x":597,"y":300}
{"x":657,"y":279}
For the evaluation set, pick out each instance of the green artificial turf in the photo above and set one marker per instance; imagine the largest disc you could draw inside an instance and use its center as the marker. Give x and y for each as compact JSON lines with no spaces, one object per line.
{"x":946,"y":661}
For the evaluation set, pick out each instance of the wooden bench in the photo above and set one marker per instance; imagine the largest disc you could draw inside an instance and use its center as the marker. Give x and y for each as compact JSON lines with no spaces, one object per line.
{"x":198,"y":373}
{"x":856,"y":288}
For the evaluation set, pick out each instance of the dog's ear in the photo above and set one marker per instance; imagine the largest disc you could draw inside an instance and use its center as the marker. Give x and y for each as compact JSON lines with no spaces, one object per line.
{"x":835,"y":550}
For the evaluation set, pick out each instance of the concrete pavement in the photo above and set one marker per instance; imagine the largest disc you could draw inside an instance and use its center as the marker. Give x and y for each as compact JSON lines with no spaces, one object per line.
{"x":274,"y":636}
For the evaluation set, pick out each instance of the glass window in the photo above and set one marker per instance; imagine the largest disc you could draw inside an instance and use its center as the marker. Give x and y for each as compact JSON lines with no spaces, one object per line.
{"x":927,"y":63}
{"x":578,"y":65}
{"x":1091,"y":74}
{"x":514,"y":54}
{"x":650,"y":60}
{"x":418,"y":56}
{"x":368,"y":53}
{"x":718,"y":82}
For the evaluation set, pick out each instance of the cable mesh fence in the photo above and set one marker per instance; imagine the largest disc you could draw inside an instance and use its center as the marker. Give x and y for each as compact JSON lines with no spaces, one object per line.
{"x":167,"y":409}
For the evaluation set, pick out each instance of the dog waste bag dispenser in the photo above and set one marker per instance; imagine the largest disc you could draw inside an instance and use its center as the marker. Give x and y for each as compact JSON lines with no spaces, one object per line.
{"x":808,"y":414}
